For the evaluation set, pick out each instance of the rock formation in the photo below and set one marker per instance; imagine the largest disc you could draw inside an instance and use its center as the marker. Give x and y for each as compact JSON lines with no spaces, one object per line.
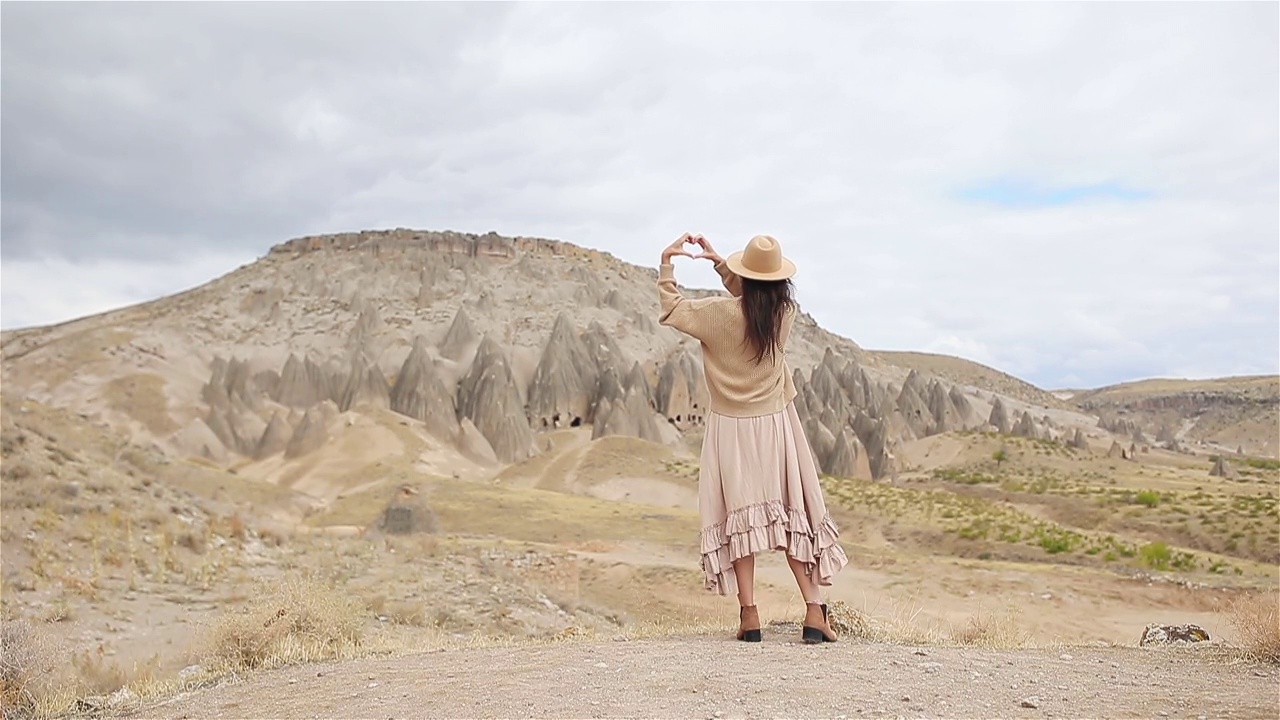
{"x":365,"y":385}
{"x":303,"y":383}
{"x":1117,"y":451}
{"x":638,"y":382}
{"x":1079,"y":441}
{"x":999,"y":418}
{"x":488,"y":395}
{"x":274,"y":439}
{"x":630,"y":416}
{"x":678,"y":393}
{"x":420,"y":393}
{"x":1026,"y":427}
{"x":473,"y":444}
{"x":460,"y":338}
{"x":848,"y":458}
{"x":1221,"y":468}
{"x":564,"y":381}
{"x":310,"y":435}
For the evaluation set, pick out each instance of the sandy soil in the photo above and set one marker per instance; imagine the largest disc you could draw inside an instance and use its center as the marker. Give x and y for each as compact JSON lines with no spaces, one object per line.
{"x":715,"y":677}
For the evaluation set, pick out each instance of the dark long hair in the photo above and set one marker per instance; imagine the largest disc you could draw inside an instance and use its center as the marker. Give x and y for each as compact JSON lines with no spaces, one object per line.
{"x":765,"y":303}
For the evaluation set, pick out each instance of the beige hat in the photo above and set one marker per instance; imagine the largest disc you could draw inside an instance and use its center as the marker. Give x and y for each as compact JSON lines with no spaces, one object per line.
{"x":761,"y":260}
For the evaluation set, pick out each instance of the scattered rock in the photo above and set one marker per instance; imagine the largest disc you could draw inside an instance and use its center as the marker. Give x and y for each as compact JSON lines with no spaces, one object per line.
{"x":1031,"y":703}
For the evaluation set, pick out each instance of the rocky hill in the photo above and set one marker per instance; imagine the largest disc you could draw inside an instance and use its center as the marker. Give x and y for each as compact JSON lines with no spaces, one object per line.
{"x":485,"y":341}
{"x":1236,"y":415}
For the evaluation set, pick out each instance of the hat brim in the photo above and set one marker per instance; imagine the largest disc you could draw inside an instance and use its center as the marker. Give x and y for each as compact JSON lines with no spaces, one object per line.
{"x":785,"y":272}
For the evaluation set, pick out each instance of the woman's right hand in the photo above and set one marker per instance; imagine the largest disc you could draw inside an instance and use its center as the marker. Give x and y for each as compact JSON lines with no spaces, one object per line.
{"x":708,"y":252}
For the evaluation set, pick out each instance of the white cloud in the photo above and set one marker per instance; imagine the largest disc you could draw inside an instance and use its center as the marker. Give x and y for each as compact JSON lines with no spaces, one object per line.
{"x":852,"y":131}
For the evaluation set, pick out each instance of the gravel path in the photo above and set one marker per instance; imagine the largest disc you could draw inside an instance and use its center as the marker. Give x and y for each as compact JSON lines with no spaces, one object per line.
{"x":715,"y":678}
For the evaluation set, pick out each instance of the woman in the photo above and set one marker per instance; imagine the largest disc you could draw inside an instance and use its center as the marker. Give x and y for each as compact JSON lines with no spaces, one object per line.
{"x":758,"y":483}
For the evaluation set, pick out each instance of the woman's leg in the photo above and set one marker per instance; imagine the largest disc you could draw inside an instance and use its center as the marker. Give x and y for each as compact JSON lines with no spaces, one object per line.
{"x":748,"y":615}
{"x":745,"y":570}
{"x":808,"y":589}
{"x":816,"y":629}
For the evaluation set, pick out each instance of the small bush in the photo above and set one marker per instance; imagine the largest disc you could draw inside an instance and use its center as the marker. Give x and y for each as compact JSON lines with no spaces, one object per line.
{"x":28,"y":661}
{"x":300,"y":621}
{"x":1150,"y":498}
{"x":1156,"y":555}
{"x":1256,"y":619}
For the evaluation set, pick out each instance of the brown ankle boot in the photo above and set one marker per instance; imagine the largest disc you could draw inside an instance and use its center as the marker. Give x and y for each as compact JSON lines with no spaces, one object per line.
{"x":749,"y":624}
{"x":816,"y":629}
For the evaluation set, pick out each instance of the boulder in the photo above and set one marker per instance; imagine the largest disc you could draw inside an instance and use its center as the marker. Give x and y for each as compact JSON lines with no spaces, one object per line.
{"x":1157,"y":634}
{"x":407,"y":514}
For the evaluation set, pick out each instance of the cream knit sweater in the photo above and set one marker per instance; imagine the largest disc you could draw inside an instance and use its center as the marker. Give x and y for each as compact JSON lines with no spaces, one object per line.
{"x":738,"y":386}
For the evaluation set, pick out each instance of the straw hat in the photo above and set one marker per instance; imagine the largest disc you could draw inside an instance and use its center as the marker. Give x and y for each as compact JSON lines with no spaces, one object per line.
{"x":761,"y":260}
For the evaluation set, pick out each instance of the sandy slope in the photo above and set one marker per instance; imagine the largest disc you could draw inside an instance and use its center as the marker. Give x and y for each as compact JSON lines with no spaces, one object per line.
{"x":715,"y":677}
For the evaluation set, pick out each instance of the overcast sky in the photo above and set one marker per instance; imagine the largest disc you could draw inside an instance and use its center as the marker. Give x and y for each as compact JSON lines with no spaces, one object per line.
{"x":1078,"y":194}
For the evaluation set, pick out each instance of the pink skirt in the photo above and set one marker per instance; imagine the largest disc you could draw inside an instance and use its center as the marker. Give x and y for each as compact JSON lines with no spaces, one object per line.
{"x":758,"y":490}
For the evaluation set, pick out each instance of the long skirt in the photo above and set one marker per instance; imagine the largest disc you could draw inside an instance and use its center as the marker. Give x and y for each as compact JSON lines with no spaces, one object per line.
{"x":758,"y":490}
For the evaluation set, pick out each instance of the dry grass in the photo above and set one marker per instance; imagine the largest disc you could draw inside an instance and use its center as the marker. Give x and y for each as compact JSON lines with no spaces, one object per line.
{"x":990,"y":629}
{"x":29,"y":661}
{"x":1256,"y":619}
{"x":298,"y":620}
{"x":521,"y":514}
{"x":142,"y":397}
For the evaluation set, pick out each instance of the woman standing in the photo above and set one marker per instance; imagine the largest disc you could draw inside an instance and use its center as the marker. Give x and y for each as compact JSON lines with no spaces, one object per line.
{"x":758,"y":483}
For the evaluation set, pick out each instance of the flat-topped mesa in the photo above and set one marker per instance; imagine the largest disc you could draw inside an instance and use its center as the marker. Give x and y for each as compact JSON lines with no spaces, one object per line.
{"x":445,"y":242}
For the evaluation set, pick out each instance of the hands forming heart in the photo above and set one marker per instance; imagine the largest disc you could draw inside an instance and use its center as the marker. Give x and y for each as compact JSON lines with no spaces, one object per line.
{"x":678,"y":248}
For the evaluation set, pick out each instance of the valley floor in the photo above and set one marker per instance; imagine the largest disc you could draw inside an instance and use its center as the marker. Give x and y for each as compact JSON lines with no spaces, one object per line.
{"x":715,"y":677}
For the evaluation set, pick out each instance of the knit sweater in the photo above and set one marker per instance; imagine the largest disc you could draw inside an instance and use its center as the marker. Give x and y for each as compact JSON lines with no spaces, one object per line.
{"x":738,"y":386}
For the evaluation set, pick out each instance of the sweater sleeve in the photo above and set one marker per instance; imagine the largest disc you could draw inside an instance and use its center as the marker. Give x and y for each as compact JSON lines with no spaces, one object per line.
{"x":684,"y":314}
{"x":731,"y":281}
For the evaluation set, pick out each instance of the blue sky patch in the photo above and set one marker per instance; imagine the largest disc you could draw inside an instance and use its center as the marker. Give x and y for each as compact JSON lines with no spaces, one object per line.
{"x":1025,"y":194}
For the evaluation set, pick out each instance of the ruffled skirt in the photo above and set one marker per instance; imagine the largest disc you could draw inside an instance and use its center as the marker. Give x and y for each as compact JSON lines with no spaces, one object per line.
{"x":758,"y":490}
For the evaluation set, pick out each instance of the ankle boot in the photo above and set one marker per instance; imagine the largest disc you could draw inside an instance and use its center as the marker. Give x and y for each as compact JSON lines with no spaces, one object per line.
{"x":749,"y":624}
{"x":816,"y":628}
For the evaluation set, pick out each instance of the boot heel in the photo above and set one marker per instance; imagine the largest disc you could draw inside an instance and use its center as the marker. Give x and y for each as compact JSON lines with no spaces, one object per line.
{"x":751,"y":636}
{"x":811,"y":635}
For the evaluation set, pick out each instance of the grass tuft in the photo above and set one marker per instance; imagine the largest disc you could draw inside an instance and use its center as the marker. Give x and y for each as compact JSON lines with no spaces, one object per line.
{"x":28,"y":663}
{"x":300,"y":621}
{"x":1256,"y":619}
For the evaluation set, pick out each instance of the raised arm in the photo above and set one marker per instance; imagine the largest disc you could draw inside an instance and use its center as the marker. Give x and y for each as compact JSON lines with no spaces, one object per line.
{"x":677,"y":311}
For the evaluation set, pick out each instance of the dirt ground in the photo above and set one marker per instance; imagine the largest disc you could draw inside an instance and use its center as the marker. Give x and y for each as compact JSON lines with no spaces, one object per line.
{"x":715,"y":677}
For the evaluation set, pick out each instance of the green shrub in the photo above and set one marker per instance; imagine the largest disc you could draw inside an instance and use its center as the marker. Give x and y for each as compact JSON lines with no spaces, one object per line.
{"x":1150,"y":498}
{"x":1156,"y":555}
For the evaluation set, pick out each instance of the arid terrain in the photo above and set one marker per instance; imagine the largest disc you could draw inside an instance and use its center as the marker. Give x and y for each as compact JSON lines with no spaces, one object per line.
{"x":367,"y":447}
